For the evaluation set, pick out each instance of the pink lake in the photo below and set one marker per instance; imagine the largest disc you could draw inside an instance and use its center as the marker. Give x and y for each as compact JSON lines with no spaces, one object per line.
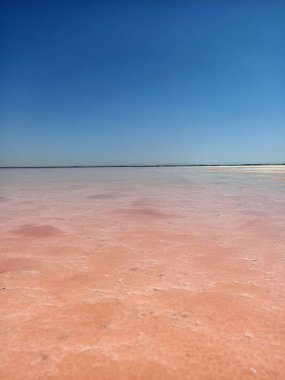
{"x":143,"y":273}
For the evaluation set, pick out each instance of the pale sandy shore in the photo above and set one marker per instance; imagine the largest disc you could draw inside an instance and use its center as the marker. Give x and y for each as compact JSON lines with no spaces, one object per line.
{"x":142,"y":274}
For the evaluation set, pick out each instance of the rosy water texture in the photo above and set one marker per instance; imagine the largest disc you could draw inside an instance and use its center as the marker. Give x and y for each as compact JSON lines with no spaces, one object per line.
{"x":142,"y":274}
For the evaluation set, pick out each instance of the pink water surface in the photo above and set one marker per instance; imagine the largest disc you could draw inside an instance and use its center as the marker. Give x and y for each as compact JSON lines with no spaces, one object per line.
{"x":142,"y":273}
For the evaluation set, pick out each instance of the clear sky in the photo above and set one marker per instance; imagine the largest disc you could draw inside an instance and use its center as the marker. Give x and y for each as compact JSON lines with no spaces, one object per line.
{"x":142,"y":82}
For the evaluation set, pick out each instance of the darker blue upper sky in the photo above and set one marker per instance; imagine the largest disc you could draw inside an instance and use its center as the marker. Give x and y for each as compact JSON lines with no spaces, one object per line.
{"x":130,"y":82}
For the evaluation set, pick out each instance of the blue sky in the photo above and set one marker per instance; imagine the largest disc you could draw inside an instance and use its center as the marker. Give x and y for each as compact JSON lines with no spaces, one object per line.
{"x":142,"y":82}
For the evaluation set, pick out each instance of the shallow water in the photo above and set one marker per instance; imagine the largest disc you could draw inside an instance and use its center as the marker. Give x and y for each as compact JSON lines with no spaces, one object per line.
{"x":142,"y":273}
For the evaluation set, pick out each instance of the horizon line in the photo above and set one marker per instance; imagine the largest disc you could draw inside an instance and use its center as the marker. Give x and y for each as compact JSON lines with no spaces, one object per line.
{"x":131,"y":166}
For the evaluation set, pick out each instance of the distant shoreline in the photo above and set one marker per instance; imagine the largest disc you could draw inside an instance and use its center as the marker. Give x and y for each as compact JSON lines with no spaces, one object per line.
{"x":134,"y":166}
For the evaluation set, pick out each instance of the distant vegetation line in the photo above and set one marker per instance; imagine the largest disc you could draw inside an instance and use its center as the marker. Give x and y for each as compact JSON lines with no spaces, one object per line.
{"x":127,"y":166}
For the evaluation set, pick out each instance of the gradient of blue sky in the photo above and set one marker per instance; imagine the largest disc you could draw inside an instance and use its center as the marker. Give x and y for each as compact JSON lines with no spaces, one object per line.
{"x":130,"y":82}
